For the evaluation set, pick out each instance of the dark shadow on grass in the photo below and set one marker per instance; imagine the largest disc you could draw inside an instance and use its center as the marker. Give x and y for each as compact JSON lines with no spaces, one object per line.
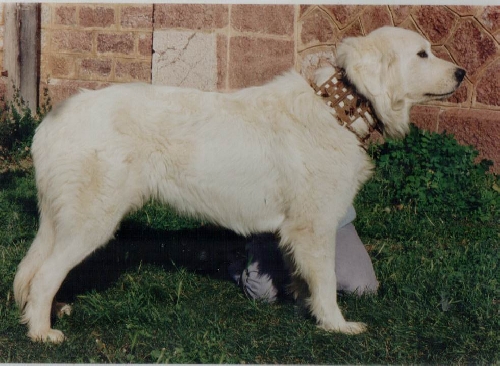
{"x":206,"y":250}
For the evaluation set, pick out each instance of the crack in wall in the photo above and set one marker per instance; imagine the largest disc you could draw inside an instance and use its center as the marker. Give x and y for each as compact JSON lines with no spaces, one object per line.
{"x":185,"y":59}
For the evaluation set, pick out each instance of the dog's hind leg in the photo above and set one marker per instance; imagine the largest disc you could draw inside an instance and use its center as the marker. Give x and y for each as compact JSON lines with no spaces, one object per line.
{"x":77,"y":235}
{"x":40,"y":249}
{"x":313,"y":254}
{"x":70,"y":249}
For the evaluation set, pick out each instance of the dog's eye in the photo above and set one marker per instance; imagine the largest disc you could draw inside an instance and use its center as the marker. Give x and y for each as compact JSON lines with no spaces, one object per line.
{"x":422,"y":54}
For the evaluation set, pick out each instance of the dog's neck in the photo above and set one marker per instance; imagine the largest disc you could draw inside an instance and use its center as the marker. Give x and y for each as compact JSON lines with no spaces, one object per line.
{"x":352,"y":110}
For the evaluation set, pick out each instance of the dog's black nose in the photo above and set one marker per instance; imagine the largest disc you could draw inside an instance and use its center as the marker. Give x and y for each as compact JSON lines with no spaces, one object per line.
{"x":459,"y":74}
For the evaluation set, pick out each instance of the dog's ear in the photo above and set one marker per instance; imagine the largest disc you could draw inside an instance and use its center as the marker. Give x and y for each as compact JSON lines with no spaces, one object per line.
{"x":393,"y":103}
{"x":375,"y":70}
{"x":371,"y":70}
{"x":393,"y":81}
{"x":363,"y":64}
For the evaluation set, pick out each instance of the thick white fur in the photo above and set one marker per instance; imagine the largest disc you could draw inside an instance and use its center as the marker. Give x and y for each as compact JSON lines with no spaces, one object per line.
{"x":268,"y":158}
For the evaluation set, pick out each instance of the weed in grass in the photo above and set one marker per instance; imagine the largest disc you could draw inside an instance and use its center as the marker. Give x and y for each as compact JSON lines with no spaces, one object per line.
{"x":434,"y":174}
{"x":17,"y":128}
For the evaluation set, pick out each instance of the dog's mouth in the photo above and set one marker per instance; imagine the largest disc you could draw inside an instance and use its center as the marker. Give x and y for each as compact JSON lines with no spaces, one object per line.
{"x":439,"y":96}
{"x":442,"y":95}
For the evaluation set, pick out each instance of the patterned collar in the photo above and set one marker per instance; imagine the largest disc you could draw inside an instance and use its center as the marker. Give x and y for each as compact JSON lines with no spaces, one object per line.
{"x":352,"y":110}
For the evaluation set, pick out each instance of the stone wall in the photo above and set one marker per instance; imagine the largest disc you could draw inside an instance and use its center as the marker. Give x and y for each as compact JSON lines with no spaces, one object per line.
{"x":227,"y":47}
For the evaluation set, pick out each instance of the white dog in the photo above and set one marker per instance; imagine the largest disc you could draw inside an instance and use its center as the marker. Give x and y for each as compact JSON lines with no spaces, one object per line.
{"x":268,"y":158}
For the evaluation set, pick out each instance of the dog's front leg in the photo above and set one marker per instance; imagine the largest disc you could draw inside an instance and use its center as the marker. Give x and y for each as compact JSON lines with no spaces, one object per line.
{"x":314,"y":261}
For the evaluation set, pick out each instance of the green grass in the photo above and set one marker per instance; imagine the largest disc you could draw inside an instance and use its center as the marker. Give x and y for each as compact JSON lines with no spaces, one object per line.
{"x":159,"y":292}
{"x":438,"y":301}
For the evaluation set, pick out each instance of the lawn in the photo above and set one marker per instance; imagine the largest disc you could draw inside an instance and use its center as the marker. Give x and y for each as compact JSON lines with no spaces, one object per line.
{"x":159,"y":292}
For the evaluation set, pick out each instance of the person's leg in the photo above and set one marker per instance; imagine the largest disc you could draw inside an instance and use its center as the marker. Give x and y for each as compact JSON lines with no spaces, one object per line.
{"x":263,"y":275}
{"x":353,"y":265}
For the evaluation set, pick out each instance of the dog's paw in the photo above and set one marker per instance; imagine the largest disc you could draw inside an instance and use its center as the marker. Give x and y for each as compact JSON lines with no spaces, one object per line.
{"x":349,"y":328}
{"x":52,"y":336}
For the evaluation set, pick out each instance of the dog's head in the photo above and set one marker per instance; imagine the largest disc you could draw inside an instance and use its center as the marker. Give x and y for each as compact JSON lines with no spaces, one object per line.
{"x":394,"y":68}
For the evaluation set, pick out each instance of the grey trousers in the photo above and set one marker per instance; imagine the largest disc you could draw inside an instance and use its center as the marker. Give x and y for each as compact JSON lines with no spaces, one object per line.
{"x":265,"y":273}
{"x":353,"y":265}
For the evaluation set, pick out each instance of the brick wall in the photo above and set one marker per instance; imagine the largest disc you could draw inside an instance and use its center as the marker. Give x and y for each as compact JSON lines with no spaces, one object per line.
{"x":227,"y":47}
{"x":93,"y":45}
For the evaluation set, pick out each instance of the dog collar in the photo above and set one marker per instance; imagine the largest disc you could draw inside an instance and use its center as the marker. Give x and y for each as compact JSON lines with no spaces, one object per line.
{"x":353,"y":111}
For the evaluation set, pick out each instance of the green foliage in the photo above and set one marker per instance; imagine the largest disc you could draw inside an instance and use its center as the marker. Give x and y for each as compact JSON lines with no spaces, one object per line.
{"x":155,"y":216}
{"x":433,"y":173}
{"x":17,"y":128}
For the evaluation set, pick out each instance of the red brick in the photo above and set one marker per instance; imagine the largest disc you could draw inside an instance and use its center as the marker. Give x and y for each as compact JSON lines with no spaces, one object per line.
{"x":267,"y":19}
{"x":75,"y":41}
{"x":353,"y":30}
{"x":490,"y":18}
{"x":425,"y":117}
{"x":95,"y":69}
{"x":472,"y":47}
{"x":400,"y":13}
{"x":464,"y":10}
{"x":304,"y":9}
{"x":118,"y":43}
{"x":476,"y":127}
{"x":60,"y":90}
{"x":410,"y":25}
{"x":133,"y":71}
{"x":65,"y":15}
{"x":145,"y":46}
{"x":436,"y":22}
{"x":344,"y":14}
{"x":316,"y":27}
{"x":375,"y":17}
{"x":191,"y":16}
{"x":442,"y":52}
{"x":99,"y":16}
{"x":137,"y":16}
{"x":60,"y":66}
{"x":462,"y":95}
{"x":254,"y":61}
{"x":488,"y":86}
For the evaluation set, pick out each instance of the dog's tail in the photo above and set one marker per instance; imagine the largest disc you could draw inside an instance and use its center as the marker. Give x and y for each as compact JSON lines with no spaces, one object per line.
{"x":40,"y":249}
